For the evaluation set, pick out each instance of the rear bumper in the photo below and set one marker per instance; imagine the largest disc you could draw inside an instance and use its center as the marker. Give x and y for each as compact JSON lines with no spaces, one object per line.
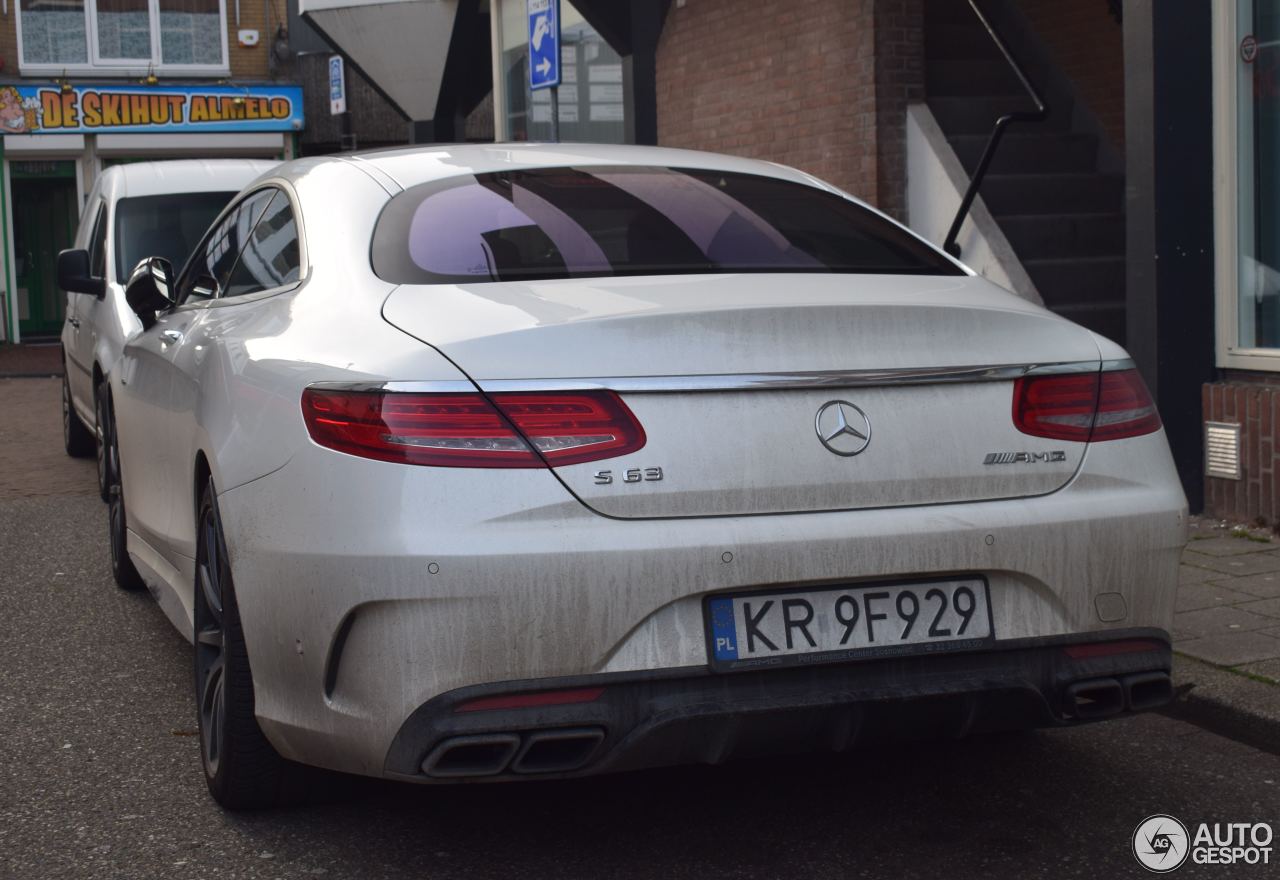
{"x":686,"y":716}
{"x":369,"y":590}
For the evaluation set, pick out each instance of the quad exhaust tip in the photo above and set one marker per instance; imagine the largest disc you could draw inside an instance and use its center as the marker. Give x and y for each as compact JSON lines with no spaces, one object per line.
{"x":543,"y":751}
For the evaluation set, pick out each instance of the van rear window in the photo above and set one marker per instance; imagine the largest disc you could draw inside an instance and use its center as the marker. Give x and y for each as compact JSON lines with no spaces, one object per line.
{"x":612,"y":221}
{"x":166,"y":226}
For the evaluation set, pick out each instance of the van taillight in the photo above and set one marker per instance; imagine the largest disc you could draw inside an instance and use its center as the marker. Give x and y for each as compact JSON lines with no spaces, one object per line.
{"x":1086,"y":407}
{"x":467,"y":430}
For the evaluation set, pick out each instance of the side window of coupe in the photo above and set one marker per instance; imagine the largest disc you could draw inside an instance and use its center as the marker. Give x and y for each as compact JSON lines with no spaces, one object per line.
{"x":211,"y":264}
{"x":271,"y":255}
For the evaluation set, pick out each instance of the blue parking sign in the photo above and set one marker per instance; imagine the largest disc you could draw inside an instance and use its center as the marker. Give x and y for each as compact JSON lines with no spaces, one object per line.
{"x":544,"y":43}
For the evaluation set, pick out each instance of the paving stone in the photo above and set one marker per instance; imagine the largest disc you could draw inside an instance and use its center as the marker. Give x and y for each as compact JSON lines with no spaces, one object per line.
{"x":1189,"y":574}
{"x":1192,"y":597}
{"x":1250,"y":563}
{"x":1267,"y":607}
{"x":1266,"y":668}
{"x":1264,"y":586}
{"x":1224,"y":620}
{"x":1232,"y":649}
{"x":1228,"y":546}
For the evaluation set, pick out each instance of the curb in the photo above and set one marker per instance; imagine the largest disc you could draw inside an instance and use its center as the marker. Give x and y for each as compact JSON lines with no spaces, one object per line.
{"x":39,"y":375}
{"x":1226,"y":703}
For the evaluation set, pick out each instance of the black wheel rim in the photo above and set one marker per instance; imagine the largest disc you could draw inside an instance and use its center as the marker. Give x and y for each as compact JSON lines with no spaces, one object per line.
{"x":66,"y":412}
{"x":101,"y":443}
{"x":212,"y":572}
{"x":115,"y":516}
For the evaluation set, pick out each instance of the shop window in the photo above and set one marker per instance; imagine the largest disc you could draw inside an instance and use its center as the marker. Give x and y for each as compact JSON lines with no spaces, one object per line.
{"x":594,"y":95}
{"x":1257,"y":176}
{"x":99,"y":36}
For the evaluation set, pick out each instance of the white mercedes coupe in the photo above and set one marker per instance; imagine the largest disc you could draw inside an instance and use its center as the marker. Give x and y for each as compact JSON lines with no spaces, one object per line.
{"x":519,"y":461}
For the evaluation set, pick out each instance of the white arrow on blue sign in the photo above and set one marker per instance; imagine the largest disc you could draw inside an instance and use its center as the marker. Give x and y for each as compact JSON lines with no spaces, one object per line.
{"x":337,"y":86}
{"x":544,"y":43}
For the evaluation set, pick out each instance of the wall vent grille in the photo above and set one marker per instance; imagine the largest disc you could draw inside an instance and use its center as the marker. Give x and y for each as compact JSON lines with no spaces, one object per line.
{"x":1222,"y":450}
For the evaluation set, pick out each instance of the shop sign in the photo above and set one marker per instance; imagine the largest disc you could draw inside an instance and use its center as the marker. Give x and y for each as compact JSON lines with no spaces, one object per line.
{"x":51,"y":109}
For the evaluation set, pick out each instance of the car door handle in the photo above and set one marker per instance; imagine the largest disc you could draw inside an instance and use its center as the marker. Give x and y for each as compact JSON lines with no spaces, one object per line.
{"x":74,"y":322}
{"x":174,"y":336}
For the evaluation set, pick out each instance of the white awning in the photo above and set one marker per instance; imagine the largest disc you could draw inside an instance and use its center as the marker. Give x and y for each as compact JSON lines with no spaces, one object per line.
{"x":400,"y":45}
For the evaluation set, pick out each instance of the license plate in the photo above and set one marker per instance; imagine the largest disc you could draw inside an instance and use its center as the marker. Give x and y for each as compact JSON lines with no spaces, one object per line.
{"x":829,"y":624}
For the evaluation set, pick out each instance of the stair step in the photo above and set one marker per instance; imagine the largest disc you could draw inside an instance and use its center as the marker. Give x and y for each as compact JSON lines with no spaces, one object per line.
{"x":967,"y":39}
{"x":1024,"y":149}
{"x":1016,"y":194}
{"x":1078,"y":280}
{"x":1049,"y":236}
{"x":1107,"y":319}
{"x":970,"y":76}
{"x":977,"y":114}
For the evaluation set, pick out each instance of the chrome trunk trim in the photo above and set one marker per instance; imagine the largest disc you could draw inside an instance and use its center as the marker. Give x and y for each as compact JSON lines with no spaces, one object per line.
{"x":744,"y":381}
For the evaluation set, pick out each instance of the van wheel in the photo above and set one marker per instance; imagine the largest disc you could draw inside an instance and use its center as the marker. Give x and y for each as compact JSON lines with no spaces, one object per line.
{"x":76,"y":438}
{"x":104,"y":442}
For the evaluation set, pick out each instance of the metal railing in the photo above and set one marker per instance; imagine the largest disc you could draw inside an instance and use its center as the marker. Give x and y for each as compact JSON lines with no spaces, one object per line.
{"x":1038,"y":115}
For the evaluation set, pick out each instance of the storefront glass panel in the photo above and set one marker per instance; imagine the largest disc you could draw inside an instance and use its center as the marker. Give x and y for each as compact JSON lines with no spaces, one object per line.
{"x":594,"y":96}
{"x":190,"y":32}
{"x":124,"y":29}
{"x":1258,"y":156}
{"x":53,"y":32}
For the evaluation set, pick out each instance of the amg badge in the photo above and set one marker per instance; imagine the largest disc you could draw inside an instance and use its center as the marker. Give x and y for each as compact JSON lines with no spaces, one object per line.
{"x":1020,"y":457}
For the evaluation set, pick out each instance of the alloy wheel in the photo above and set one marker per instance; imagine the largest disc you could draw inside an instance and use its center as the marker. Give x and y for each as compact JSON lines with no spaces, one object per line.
{"x":212,"y":571}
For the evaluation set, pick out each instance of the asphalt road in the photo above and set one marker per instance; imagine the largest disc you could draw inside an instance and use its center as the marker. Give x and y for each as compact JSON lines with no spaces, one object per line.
{"x":99,"y":777}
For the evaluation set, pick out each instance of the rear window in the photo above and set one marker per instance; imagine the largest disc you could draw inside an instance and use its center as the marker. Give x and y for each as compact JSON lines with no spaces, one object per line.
{"x":604,"y":221}
{"x":166,"y":226}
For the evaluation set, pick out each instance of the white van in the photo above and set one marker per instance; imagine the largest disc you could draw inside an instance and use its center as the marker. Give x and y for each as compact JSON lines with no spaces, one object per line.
{"x":134,"y":211}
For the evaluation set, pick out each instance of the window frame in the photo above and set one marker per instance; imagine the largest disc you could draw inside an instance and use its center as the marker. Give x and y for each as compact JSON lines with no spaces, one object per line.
{"x":218,"y":299}
{"x":98,"y":66}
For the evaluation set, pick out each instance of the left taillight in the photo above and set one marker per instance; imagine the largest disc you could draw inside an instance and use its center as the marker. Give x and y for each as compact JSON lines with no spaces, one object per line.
{"x":471,"y":430}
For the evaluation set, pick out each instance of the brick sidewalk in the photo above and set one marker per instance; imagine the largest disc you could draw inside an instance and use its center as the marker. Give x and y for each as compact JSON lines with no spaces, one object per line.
{"x":31,"y":360}
{"x":32,"y":460}
{"x":1228,"y":610}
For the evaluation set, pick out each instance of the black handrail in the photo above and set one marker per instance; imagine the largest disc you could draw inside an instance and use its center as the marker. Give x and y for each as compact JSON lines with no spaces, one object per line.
{"x":1037,"y":115}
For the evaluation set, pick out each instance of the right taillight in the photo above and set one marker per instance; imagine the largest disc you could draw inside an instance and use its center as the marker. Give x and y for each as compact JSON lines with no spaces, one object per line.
{"x":1085,"y":407}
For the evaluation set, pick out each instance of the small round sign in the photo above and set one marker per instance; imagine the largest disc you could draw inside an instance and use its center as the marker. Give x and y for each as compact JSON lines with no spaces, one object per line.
{"x":1161,"y":843}
{"x":1249,"y":49}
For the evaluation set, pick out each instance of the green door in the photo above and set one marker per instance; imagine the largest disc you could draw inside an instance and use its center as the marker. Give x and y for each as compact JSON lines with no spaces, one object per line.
{"x":44,"y":222}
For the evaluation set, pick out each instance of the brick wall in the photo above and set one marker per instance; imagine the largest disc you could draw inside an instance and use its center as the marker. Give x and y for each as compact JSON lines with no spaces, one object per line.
{"x":821,"y":85}
{"x":1088,"y":45}
{"x":1254,"y":406}
{"x":246,"y":63}
{"x":899,"y":48}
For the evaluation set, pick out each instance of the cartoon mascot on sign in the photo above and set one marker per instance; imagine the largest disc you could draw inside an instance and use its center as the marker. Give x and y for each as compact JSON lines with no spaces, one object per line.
{"x":13,"y":116}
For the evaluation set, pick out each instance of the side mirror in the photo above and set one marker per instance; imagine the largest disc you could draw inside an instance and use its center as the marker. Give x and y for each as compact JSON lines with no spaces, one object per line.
{"x":149,"y":288}
{"x":74,"y":275}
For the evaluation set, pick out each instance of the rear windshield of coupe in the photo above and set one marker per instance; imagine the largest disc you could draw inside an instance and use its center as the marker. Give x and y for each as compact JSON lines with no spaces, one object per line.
{"x":607,"y":221}
{"x":168,"y":226}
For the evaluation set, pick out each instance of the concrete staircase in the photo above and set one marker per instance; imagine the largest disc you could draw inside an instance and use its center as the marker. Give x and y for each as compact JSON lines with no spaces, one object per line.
{"x":1063,"y":216}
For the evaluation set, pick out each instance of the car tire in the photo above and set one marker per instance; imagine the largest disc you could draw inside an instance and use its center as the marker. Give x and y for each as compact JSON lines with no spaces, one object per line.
{"x":241,"y":768}
{"x":122,"y":567}
{"x":104,"y":427}
{"x":76,"y":438}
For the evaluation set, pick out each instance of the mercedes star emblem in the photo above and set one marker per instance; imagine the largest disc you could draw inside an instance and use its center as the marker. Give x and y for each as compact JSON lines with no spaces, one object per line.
{"x":842,"y":427}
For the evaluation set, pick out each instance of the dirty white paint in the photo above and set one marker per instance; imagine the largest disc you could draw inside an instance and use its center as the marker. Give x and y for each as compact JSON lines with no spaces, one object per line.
{"x":456,"y":576}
